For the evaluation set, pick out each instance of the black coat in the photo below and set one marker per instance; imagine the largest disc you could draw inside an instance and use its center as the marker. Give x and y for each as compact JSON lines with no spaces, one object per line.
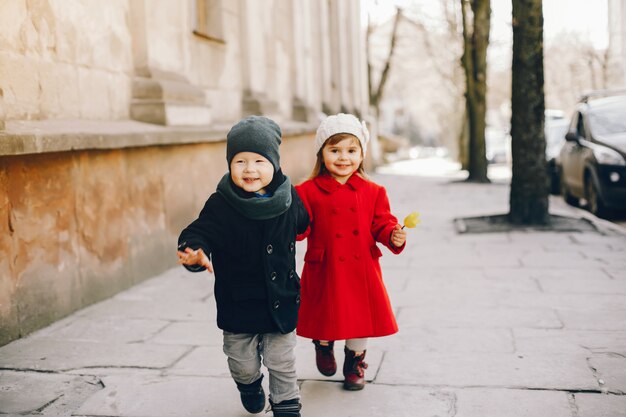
{"x":257,"y":288}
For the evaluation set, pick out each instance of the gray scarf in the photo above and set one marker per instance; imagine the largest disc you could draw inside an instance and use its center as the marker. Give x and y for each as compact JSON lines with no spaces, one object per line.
{"x":257,"y":208}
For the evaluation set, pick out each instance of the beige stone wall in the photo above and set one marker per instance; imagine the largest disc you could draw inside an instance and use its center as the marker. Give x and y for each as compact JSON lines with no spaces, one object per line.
{"x":81,"y":226}
{"x":64,"y":60}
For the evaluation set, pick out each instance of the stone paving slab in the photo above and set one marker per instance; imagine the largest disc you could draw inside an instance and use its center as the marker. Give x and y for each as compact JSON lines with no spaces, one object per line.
{"x":439,"y":339}
{"x":195,"y":333}
{"x":569,"y":341}
{"x":164,"y":397}
{"x":22,"y":392}
{"x":586,"y":285}
{"x":172,"y":310}
{"x":329,"y":399}
{"x":54,"y":355}
{"x":611,"y":369}
{"x":583,"y":303}
{"x":600,"y":405}
{"x":470,"y":317}
{"x":511,"y":403}
{"x":202,"y":361}
{"x":593,"y":320}
{"x":556,"y":371}
{"x":122,"y":330}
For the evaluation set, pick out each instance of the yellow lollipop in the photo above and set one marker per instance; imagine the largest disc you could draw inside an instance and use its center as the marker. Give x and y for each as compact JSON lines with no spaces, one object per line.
{"x":411,"y":220}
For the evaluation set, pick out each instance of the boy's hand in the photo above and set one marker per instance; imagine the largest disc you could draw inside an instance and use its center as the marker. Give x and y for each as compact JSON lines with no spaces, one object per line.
{"x":195,"y":257}
{"x":398,"y":236}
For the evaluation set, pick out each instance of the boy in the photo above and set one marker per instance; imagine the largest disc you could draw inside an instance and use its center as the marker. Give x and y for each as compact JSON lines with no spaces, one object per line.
{"x":246,"y":232}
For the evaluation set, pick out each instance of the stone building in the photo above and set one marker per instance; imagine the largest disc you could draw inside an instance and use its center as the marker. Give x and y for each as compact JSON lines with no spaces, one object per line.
{"x":113,"y":117}
{"x":617,"y":38}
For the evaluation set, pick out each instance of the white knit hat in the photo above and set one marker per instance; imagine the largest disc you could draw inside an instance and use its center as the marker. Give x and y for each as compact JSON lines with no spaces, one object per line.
{"x":342,"y":123}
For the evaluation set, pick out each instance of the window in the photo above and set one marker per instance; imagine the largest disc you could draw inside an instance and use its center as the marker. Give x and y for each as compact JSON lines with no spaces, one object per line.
{"x":207,"y":19}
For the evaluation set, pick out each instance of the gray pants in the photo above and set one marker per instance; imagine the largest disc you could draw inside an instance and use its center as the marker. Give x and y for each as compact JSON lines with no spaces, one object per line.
{"x":245,"y":352}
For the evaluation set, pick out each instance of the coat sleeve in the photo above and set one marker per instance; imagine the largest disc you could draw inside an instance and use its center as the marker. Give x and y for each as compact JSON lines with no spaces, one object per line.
{"x":201,"y":233}
{"x":302,"y":215}
{"x":384,"y":222}
{"x":304,"y":233}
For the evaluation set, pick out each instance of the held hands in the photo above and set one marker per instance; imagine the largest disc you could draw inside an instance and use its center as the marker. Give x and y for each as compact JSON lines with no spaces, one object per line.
{"x":398,"y":236}
{"x":195,"y":257}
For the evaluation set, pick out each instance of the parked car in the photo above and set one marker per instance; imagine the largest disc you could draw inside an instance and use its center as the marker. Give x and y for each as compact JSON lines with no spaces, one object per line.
{"x":592,"y":161}
{"x":556,"y":126}
{"x":497,"y":146}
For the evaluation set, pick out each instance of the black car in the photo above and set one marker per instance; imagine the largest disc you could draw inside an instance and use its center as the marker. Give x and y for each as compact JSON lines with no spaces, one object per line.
{"x":556,"y":126}
{"x":592,"y":161}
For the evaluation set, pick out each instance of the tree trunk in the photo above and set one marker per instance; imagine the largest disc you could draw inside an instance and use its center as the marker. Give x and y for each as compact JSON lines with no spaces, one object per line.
{"x":476,"y":40}
{"x":376,"y":94}
{"x":528,"y":204}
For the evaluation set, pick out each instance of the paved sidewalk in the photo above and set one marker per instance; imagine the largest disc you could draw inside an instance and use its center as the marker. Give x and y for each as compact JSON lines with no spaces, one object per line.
{"x":518,"y":324}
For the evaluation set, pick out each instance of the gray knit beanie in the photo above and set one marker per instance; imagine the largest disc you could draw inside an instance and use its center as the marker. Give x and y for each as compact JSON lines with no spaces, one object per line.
{"x":256,"y":134}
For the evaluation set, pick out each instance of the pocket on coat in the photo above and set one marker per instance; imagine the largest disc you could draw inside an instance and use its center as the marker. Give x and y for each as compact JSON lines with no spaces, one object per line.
{"x":314,"y":255}
{"x":375,"y":251}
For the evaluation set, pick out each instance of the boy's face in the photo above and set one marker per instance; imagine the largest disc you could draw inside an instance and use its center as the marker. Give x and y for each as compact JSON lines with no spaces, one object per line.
{"x":251,"y":172}
{"x":343,"y":158}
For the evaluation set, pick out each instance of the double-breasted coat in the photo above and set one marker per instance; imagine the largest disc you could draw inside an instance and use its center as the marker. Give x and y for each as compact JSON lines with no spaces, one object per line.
{"x":257,"y":288}
{"x":343,"y":295}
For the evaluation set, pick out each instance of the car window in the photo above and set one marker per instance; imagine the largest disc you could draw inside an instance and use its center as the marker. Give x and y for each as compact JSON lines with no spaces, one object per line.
{"x":580,"y":127}
{"x":608,"y":119}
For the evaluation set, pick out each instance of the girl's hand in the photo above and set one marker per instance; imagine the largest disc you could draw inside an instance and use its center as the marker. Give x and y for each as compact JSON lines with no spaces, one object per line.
{"x":195,"y":257}
{"x":398,"y":236}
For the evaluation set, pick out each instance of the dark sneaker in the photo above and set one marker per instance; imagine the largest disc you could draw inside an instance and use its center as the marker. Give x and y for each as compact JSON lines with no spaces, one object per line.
{"x":354,"y":370}
{"x":325,"y":358}
{"x":252,"y":396}
{"x":287,"y":408}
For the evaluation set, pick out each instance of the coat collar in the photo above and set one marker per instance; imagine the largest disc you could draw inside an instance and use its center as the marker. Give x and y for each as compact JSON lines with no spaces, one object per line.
{"x":330,"y":185}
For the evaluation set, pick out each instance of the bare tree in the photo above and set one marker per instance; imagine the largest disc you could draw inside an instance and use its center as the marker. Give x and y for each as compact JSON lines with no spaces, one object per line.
{"x":474,"y":60}
{"x":376,"y":93}
{"x":528,"y":203}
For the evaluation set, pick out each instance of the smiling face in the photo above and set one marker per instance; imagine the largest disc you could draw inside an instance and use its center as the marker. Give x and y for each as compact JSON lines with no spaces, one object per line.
{"x":251,"y":172}
{"x":343,"y":158}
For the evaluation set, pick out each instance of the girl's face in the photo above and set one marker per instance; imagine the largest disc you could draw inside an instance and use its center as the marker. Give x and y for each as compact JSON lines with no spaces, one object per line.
{"x":343,"y":158}
{"x":251,"y":172}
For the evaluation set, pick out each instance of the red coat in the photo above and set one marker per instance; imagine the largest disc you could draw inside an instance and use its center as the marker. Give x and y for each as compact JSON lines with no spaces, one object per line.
{"x":342,"y":294}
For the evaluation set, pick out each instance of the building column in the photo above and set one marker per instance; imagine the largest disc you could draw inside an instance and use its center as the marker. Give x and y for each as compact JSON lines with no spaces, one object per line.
{"x":161,"y":97}
{"x":302,"y":109}
{"x":254,"y":61}
{"x":324,"y":65}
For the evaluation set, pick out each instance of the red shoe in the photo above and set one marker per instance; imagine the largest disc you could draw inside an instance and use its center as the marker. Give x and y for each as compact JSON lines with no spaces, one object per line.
{"x":325,"y":358}
{"x":354,"y":370}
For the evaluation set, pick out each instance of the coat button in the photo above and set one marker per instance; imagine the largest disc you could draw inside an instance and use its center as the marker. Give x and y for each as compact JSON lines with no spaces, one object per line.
{"x":273,"y":276}
{"x":338,"y":235}
{"x":355,"y":232}
{"x":291,"y":247}
{"x":353,"y":209}
{"x":335,"y":211}
{"x":291,"y":274}
{"x":276,"y":304}
{"x":357,"y":256}
{"x":270,"y":249}
{"x":342,"y":258}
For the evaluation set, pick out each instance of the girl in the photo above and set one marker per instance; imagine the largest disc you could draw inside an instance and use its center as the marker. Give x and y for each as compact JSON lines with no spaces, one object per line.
{"x":342,"y":294}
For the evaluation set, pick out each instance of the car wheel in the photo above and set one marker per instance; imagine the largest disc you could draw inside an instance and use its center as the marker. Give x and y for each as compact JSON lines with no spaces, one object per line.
{"x":594,"y":201}
{"x":569,"y":198}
